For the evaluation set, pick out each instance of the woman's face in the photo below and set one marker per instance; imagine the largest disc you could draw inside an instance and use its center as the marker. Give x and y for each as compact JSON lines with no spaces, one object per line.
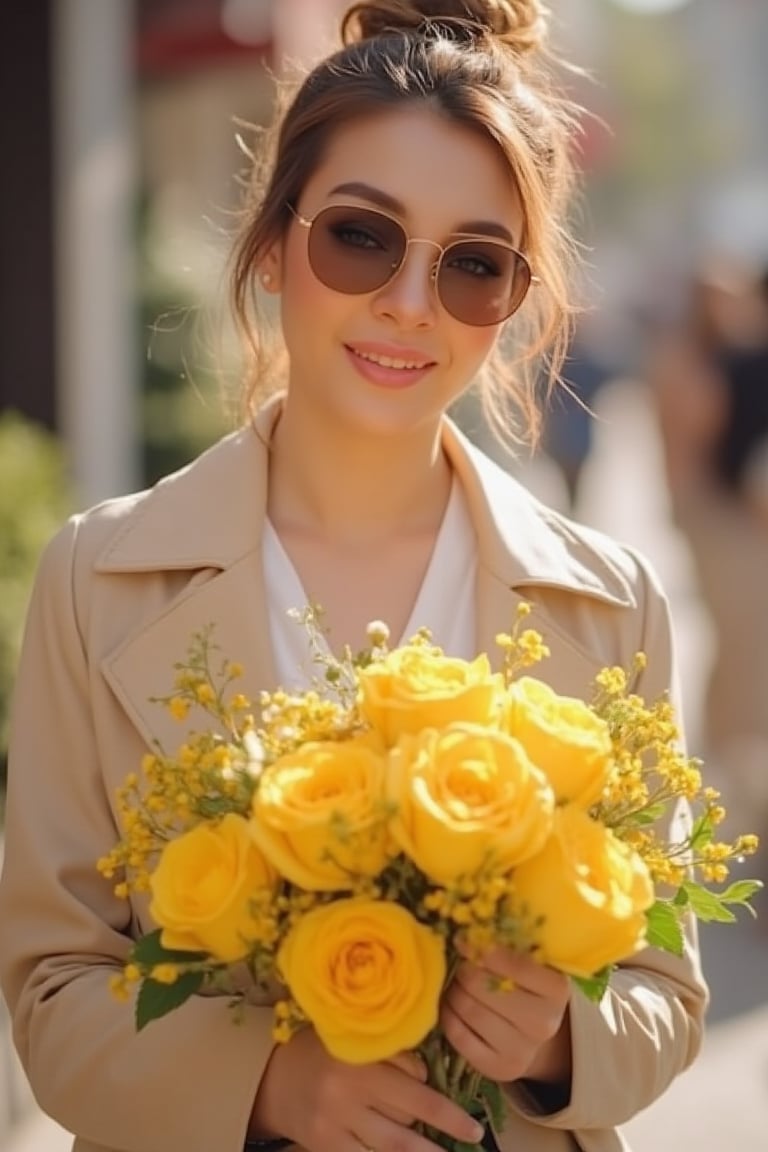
{"x":393,"y":358}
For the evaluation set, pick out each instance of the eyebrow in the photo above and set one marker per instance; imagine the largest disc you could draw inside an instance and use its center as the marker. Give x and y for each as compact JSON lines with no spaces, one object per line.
{"x":397,"y":208}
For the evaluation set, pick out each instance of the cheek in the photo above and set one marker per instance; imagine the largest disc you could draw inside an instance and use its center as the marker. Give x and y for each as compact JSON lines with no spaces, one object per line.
{"x":299,"y":285}
{"x":308,"y":310}
{"x":473,"y":346}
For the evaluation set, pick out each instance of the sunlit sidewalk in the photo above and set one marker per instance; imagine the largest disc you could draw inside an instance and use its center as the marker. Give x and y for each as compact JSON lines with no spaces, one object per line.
{"x":721,"y":1102}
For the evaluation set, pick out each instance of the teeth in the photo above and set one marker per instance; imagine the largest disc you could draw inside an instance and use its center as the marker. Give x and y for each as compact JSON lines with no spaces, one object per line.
{"x":390,"y":361}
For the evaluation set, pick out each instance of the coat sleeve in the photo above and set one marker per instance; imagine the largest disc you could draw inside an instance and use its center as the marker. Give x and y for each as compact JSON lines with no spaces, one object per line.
{"x":186,"y":1081}
{"x":648,"y":1027}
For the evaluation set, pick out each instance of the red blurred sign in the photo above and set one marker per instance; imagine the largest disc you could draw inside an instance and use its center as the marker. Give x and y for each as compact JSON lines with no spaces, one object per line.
{"x":185,"y":34}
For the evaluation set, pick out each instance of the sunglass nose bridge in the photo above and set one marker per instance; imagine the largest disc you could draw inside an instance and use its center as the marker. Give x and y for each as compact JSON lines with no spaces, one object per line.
{"x":434,"y":268}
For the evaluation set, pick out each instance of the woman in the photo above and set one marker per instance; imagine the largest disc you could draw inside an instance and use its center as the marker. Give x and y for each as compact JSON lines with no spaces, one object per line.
{"x":413,"y":214}
{"x":708,"y":378}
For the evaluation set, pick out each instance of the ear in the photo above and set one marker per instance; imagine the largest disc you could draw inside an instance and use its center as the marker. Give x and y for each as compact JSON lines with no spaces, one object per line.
{"x":271,"y":269}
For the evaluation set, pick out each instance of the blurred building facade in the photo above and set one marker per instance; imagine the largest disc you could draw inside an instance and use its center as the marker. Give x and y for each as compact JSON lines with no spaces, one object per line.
{"x":120,"y":126}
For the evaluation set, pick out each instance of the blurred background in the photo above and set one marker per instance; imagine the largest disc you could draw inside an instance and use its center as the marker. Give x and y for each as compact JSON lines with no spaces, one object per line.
{"x":119,"y":137}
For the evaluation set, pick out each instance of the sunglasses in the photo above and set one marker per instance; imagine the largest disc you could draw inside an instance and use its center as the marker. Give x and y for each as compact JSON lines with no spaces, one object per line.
{"x":356,"y":250}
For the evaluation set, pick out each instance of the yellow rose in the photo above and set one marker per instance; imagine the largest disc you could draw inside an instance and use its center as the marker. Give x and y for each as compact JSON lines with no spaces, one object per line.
{"x":367,"y":975}
{"x":319,"y":814}
{"x":414,"y":688}
{"x":587,"y":893}
{"x":203,"y":886}
{"x":465,"y":797}
{"x":563,"y":737}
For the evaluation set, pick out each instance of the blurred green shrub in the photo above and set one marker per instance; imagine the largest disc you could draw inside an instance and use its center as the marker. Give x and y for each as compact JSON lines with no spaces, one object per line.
{"x":182,"y":411}
{"x":183,"y":405}
{"x":35,"y":498}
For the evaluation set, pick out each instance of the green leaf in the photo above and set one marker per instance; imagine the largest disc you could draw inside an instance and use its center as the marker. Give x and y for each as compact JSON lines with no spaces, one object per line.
{"x":741,"y":893}
{"x":156,"y":1000}
{"x":702,"y":832}
{"x":707,"y":906}
{"x":663,"y":928}
{"x":649,"y":815}
{"x":593,"y":987}
{"x":149,"y":950}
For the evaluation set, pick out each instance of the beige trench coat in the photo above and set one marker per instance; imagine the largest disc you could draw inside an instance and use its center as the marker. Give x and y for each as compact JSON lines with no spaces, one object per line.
{"x":118,"y":594}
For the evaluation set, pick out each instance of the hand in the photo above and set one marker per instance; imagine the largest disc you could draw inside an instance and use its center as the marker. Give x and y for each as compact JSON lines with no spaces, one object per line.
{"x":327,"y":1106}
{"x":508,"y":1034}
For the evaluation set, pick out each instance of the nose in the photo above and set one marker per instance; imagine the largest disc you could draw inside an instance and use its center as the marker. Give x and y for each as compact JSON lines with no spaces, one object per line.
{"x":410,"y":297}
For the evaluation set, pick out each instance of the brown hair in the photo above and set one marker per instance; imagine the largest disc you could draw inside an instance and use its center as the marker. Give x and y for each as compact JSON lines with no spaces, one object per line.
{"x":479,"y":63}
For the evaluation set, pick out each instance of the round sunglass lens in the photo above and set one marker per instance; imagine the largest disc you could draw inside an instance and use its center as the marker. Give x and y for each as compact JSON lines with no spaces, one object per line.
{"x":481,"y":282}
{"x":355,"y":250}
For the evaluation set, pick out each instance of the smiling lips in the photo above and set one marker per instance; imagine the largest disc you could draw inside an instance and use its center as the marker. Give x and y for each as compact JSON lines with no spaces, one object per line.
{"x":390,"y":361}
{"x":388,"y":365}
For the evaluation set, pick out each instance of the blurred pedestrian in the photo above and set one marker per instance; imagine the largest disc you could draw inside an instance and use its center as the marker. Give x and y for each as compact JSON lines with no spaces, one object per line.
{"x":568,"y":421}
{"x":710,"y":381}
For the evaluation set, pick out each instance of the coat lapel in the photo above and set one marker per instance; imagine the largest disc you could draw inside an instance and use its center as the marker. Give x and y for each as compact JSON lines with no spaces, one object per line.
{"x":569,"y":669}
{"x":527,"y":553}
{"x":202,"y":529}
{"x":233,"y":602}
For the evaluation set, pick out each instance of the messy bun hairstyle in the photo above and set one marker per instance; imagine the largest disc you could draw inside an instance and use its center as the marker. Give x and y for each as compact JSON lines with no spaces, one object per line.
{"x":483,"y":64}
{"x":520,"y":26}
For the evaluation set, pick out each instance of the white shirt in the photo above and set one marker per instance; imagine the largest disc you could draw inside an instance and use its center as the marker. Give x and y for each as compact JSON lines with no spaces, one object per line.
{"x":445,"y":602}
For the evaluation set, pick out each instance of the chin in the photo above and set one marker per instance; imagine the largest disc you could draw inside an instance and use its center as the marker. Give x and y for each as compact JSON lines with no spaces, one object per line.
{"x":391,"y":416}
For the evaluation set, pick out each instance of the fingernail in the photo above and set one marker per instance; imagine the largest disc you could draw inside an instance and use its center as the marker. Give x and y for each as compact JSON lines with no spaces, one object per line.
{"x":478,"y":1131}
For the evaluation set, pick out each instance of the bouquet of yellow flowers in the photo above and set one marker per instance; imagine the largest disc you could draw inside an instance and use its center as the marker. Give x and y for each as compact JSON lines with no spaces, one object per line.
{"x":348,"y":843}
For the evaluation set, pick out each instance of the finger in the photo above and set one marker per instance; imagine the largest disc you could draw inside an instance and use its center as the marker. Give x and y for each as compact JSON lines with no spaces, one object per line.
{"x":500,"y":962}
{"x":389,"y":1083}
{"x":478,"y":982}
{"x":476,"y":1051}
{"x":422,"y":1102}
{"x":501,"y":970}
{"x":378,"y":1133}
{"x":491,"y":1014}
{"x":395,"y":1113}
{"x":483,"y":1010}
{"x":405,"y":1099}
{"x":492,"y":1028}
{"x":440,"y":1112}
{"x":523,"y":969}
{"x":410,"y":1063}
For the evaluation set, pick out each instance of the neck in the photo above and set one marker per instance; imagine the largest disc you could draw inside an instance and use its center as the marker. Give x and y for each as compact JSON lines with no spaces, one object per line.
{"x":344,"y":485}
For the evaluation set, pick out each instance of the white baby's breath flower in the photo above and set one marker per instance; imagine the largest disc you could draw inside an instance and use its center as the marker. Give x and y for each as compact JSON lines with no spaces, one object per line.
{"x":378,"y":633}
{"x":254,"y":750}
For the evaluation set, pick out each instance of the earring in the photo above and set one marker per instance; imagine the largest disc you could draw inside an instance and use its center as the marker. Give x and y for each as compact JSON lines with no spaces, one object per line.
{"x":266,"y":279}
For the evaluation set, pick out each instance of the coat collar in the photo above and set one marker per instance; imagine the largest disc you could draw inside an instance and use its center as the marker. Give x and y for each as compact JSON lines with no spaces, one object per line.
{"x":207,"y":520}
{"x":211,"y":514}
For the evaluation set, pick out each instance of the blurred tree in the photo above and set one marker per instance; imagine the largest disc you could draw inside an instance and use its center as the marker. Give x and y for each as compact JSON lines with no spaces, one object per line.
{"x":181,"y":413}
{"x":35,"y":497}
{"x":183,"y":407}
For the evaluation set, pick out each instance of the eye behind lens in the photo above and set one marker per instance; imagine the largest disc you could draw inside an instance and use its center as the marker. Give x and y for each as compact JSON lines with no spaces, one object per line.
{"x":482,"y":282}
{"x":355,"y":250}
